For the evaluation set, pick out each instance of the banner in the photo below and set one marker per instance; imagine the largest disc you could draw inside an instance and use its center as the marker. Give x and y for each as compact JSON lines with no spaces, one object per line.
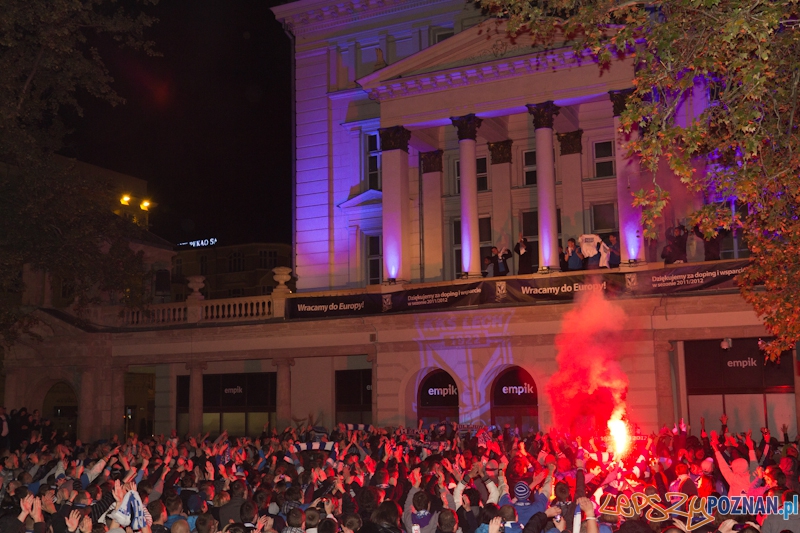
{"x":554,"y":288}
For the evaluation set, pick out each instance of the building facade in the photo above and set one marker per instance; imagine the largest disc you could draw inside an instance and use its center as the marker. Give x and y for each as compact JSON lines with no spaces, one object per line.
{"x":423,"y":137}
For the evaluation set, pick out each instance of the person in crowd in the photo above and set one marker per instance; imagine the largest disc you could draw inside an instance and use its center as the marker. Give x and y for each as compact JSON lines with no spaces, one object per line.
{"x":445,"y":479}
{"x":615,"y":255}
{"x":499,"y":260}
{"x":525,"y":256}
{"x":712,"y":246}
{"x":573,"y":256}
{"x":488,"y":268}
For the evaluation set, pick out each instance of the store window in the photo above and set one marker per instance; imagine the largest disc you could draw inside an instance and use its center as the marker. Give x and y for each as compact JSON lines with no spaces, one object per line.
{"x":437,"y":398}
{"x":515,"y":400}
{"x":354,"y":396}
{"x":738,"y":382}
{"x":238,"y":403}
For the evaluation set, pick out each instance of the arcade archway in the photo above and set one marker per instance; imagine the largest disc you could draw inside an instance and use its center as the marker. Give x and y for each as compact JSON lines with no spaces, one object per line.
{"x":437,"y":398}
{"x":61,"y":407}
{"x":515,"y":400}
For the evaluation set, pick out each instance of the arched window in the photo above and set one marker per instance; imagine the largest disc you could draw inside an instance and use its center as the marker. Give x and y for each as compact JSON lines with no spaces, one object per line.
{"x":437,"y":398}
{"x":515,"y":400}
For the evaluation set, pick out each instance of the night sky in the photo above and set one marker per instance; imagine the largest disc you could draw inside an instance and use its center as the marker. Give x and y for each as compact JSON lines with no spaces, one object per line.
{"x":208,"y":125}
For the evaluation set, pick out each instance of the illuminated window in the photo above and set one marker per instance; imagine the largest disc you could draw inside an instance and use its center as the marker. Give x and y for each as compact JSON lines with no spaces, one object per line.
{"x":482,"y":174}
{"x":236,"y":262}
{"x":374,"y":260}
{"x":604,"y":159}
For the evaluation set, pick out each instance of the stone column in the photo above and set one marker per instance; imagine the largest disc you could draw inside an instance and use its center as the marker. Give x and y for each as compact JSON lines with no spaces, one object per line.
{"x":373,"y":358}
{"x":665,"y":402}
{"x":284,"y":391}
{"x":467,"y":127}
{"x":396,"y":203}
{"x":118,"y":400}
{"x":196,"y":369}
{"x":631,"y":237}
{"x":432,"y":215}
{"x":571,"y":183}
{"x":543,"y":116}
{"x":500,"y":155}
{"x":86,"y":405}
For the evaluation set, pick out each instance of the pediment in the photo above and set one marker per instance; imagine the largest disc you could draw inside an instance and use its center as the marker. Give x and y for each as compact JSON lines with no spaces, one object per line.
{"x":366,"y":198}
{"x":485,"y":43}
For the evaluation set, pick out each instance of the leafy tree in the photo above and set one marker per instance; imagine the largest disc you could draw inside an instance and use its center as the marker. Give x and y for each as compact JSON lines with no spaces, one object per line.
{"x":52,"y":217}
{"x":744,"y":146}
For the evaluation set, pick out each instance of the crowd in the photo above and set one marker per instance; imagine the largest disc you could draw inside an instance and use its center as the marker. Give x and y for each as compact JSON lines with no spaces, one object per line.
{"x":590,"y":252}
{"x":363,"y":479}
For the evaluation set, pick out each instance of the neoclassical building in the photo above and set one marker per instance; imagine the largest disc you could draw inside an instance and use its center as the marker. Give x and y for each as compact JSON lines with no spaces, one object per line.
{"x":424,"y":136}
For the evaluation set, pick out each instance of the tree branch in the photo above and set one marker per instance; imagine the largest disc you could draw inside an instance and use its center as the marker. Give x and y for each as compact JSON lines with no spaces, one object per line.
{"x":30,"y":78}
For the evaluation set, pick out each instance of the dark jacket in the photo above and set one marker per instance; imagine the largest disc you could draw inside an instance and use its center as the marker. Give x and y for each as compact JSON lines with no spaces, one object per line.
{"x":498,"y":260}
{"x":525,"y":260}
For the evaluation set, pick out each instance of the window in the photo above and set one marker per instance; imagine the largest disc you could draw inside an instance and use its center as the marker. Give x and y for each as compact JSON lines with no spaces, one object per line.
{"x":267,"y":259}
{"x":373,"y":163}
{"x":374,"y":261}
{"x":733,"y":246}
{"x":236,"y":262}
{"x":180,"y":297}
{"x":485,"y":237}
{"x":266,"y":290}
{"x":529,"y":168}
{"x":604,"y":159}
{"x":604,"y":220}
{"x":178,"y":267}
{"x":235,"y":293}
{"x":354,"y":396}
{"x":440,"y":34}
{"x":530,"y":230}
{"x":203,"y":265}
{"x":482,"y":173}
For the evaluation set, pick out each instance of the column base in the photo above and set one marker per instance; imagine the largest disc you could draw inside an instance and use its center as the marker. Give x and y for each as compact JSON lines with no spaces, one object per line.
{"x":632,"y":263}
{"x":548,"y":270}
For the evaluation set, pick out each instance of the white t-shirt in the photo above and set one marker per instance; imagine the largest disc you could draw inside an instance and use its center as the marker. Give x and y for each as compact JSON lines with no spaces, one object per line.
{"x":588,"y":245}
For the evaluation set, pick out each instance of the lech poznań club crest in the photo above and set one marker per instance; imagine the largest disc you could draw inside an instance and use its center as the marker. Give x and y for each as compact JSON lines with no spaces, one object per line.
{"x":387,"y":302}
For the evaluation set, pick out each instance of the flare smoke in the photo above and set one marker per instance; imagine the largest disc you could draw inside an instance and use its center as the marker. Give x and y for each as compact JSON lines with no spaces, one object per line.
{"x":589,"y":386}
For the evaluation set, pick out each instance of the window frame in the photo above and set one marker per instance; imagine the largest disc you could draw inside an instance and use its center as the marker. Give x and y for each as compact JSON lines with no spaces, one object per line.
{"x":528,"y":168}
{"x":369,"y":153}
{"x":479,"y":175}
{"x":371,"y":258}
{"x":235,"y":259}
{"x":485,"y":246}
{"x":605,"y":159}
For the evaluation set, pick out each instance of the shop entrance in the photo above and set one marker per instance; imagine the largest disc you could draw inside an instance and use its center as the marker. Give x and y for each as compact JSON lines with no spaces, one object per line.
{"x":515,"y":400}
{"x":437,"y":398}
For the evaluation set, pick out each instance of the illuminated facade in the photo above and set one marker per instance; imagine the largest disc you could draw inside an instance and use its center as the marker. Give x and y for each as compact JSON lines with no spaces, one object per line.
{"x":423,"y":137}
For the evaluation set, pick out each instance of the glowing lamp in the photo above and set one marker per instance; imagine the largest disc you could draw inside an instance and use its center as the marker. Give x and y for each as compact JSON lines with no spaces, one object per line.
{"x":125,"y":200}
{"x":145,"y":205}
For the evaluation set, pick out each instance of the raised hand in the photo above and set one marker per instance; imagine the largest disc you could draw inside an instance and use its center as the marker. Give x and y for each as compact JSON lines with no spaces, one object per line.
{"x":73,"y":520}
{"x":495,"y":524}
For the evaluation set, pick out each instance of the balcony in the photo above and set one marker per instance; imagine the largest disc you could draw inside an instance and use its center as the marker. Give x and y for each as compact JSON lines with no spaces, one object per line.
{"x":632,"y":281}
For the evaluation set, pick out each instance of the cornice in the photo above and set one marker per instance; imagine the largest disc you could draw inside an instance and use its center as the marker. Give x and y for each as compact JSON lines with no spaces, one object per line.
{"x":307,"y":17}
{"x":477,"y":74}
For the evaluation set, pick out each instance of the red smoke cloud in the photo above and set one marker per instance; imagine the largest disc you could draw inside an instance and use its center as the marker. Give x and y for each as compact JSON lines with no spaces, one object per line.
{"x":589,"y":385}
